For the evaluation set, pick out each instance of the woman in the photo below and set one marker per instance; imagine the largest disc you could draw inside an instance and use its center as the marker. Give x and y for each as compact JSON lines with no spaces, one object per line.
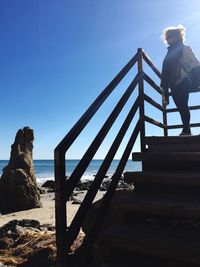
{"x":179,"y":61}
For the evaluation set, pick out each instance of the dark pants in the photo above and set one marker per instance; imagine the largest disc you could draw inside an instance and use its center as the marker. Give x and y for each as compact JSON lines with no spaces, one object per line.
{"x":180,"y":95}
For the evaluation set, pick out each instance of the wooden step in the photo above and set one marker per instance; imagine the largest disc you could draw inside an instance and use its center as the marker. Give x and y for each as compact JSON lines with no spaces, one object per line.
{"x":164,"y":178}
{"x":164,"y":182}
{"x":152,"y":140}
{"x":174,"y":148}
{"x":173,"y":206}
{"x":173,"y":144}
{"x":167,"y":242}
{"x":183,"y":156}
{"x":168,"y":160}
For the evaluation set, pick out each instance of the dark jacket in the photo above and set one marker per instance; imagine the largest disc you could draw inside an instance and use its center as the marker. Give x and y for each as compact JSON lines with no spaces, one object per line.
{"x":171,"y":67}
{"x":178,"y":62}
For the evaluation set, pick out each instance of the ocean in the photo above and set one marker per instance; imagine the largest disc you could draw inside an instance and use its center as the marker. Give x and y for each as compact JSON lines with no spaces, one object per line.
{"x":44,"y":169}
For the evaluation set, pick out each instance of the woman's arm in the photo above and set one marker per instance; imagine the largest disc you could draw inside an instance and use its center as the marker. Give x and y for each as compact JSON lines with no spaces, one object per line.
{"x":165,"y":83}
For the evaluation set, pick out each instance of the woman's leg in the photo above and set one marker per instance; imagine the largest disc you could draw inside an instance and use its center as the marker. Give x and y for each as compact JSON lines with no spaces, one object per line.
{"x":180,"y":95}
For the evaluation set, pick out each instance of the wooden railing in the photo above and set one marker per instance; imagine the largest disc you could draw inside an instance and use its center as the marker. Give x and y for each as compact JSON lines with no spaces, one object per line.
{"x":172,"y":110}
{"x":66,"y":234}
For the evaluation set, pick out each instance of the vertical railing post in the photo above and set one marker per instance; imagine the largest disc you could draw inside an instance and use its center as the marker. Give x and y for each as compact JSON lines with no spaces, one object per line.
{"x":165,"y":118}
{"x":141,"y":97}
{"x":60,"y":208}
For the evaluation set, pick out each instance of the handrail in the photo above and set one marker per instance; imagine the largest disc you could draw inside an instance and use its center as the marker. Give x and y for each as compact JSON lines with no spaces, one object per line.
{"x":83,"y":164}
{"x":153,"y":103}
{"x":154,"y":122}
{"x":169,"y":110}
{"x":172,"y":110}
{"x":151,"y":64}
{"x":82,"y":122}
{"x":59,"y":159}
{"x":65,"y":236}
{"x":152,"y":83}
{"x":78,"y":219}
{"x":180,"y":126}
{"x":141,"y":107}
{"x":64,"y":188}
{"x":114,"y":182}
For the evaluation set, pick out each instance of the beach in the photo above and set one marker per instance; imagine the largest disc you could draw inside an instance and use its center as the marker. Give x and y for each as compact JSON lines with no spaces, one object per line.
{"x":44,"y":170}
{"x":45,"y":214}
{"x":35,"y":242}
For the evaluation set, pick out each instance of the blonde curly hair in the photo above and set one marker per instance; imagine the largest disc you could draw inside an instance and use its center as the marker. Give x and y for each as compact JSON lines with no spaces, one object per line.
{"x":176,"y":31}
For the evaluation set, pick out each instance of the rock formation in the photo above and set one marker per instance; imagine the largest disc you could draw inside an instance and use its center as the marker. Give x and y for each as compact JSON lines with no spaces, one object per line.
{"x":18,"y":187}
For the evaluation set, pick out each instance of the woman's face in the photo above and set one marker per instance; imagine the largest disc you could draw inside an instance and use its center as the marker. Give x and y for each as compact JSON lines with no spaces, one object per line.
{"x":171,"y":39}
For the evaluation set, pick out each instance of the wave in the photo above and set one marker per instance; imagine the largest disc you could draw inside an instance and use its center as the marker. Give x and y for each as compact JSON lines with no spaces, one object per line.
{"x":44,"y":169}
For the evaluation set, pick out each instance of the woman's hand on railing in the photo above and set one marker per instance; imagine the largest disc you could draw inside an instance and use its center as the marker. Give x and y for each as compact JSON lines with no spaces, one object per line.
{"x":165,"y":99}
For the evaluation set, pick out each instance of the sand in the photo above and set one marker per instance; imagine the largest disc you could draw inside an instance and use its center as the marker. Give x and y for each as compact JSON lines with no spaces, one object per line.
{"x":46,"y":214}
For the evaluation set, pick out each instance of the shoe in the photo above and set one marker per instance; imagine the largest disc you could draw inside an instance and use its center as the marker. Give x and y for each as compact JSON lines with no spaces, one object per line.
{"x":185,"y":133}
{"x":182,"y":133}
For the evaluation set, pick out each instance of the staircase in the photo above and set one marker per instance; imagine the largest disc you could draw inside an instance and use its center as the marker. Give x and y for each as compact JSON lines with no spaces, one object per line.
{"x":166,"y":191}
{"x":161,"y":217}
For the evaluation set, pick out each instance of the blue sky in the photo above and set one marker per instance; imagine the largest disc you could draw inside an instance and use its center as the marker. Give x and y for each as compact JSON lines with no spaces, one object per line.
{"x":57,"y":56}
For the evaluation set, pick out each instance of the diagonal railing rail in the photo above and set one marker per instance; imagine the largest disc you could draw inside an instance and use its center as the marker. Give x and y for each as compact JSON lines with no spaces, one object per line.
{"x":65,"y":235}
